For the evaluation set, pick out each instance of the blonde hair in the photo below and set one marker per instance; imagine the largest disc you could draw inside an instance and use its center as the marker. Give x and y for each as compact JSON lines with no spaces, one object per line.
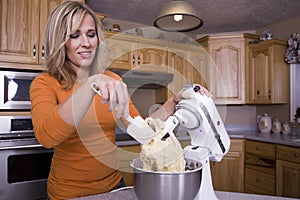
{"x":57,"y":35}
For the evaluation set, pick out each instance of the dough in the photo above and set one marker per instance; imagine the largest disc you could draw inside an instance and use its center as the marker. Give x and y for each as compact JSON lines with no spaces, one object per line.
{"x":162,"y":155}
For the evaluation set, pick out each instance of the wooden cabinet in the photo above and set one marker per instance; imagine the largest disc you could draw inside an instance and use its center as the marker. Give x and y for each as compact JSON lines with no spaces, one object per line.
{"x":19,"y":31}
{"x":268,"y":73}
{"x":23,"y":25}
{"x":186,"y":61}
{"x":229,"y":55}
{"x":228,"y":175}
{"x":260,"y":168}
{"x":126,"y":154}
{"x":287,"y":171}
{"x":135,"y":52}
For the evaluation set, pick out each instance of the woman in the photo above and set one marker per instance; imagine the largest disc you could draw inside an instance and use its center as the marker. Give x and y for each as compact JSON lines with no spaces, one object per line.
{"x":66,"y":112}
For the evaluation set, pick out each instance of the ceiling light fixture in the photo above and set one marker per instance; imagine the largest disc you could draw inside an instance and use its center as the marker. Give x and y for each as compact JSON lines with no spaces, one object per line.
{"x":178,"y":16}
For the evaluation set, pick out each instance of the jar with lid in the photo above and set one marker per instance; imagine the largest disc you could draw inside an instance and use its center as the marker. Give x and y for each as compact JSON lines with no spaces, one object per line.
{"x":286,"y":128}
{"x":276,"y":126}
{"x":265,"y":124}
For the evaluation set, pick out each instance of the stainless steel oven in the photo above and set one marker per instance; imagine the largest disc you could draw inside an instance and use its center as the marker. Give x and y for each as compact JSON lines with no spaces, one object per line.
{"x":14,"y":87}
{"x":24,"y":163}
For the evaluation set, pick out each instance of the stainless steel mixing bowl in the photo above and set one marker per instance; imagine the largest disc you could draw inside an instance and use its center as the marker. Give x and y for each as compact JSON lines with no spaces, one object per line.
{"x":150,"y":185}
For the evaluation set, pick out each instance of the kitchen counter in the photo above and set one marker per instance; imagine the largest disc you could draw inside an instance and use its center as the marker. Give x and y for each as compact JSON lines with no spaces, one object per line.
{"x":129,"y":194}
{"x":292,"y":139}
{"x":275,"y":138}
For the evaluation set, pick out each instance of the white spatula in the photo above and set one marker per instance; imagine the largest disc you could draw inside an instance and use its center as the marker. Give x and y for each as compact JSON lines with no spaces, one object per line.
{"x":136,"y":127}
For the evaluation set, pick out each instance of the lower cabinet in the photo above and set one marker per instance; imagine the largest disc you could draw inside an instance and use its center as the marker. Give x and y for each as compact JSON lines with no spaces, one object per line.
{"x":126,"y":154}
{"x":228,"y":175}
{"x":288,"y":171}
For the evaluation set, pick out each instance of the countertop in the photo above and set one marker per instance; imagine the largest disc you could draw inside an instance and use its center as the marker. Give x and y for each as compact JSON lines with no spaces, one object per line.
{"x":129,"y":194}
{"x":292,"y":139}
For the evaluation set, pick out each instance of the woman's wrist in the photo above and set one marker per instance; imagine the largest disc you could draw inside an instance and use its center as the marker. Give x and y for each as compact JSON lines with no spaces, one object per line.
{"x":170,"y":104}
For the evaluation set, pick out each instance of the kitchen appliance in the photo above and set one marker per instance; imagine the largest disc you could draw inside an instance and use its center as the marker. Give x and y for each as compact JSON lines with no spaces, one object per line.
{"x":209,"y":141}
{"x":14,"y":87}
{"x":24,"y":163}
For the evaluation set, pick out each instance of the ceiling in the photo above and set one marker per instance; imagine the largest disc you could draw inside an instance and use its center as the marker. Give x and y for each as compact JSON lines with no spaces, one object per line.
{"x":217,"y":15}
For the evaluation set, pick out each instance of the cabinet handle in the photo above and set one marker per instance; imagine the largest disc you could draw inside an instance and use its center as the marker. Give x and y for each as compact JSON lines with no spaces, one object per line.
{"x":258,"y":179}
{"x":296,"y":155}
{"x":257,"y":92}
{"x":258,"y":148}
{"x":43,"y":52}
{"x":258,"y":163}
{"x":133,"y":60}
{"x":139,"y":60}
{"x":269,"y":94}
{"x":34,"y":51}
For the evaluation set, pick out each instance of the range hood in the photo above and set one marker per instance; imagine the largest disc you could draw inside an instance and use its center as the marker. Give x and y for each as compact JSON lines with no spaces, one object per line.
{"x":144,"y":79}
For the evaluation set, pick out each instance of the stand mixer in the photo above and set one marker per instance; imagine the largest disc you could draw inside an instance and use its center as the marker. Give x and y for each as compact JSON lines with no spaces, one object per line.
{"x":209,"y":138}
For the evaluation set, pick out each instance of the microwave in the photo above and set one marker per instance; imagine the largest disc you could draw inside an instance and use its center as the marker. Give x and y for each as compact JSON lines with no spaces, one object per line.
{"x":14,"y":88}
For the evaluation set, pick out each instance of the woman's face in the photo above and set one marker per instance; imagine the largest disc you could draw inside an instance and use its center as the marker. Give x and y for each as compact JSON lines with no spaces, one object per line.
{"x":81,"y":47}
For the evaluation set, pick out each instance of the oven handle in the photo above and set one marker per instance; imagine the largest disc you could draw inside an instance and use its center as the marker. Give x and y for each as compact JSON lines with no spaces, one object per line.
{"x":21,"y":147}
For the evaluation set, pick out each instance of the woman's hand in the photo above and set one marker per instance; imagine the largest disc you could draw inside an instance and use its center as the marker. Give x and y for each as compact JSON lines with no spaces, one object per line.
{"x":169,"y":106}
{"x":184,"y":95}
{"x":114,"y":93}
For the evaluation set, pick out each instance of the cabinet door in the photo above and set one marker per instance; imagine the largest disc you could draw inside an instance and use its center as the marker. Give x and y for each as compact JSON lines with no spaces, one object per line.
{"x":198,"y":65}
{"x":287,"y":179}
{"x":178,"y":66}
{"x":268,"y":73}
{"x":121,"y":55}
{"x":228,"y":175}
{"x":45,"y":10}
{"x":228,"y":82}
{"x":152,"y":59}
{"x":128,"y":53}
{"x":19,"y":36}
{"x":260,"y":89}
{"x":126,"y":154}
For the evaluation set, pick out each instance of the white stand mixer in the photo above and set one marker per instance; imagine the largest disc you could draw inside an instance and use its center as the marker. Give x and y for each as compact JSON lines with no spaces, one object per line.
{"x":209,"y":138}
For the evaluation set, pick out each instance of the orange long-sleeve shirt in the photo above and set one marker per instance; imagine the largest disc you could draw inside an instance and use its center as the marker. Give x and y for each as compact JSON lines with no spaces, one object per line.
{"x":85,"y":160}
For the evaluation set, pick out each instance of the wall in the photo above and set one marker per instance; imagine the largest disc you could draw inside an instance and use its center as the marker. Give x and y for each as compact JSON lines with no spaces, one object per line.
{"x":283,"y":30}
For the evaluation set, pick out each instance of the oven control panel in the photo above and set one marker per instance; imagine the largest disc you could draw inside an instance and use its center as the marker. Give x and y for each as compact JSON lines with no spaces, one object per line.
{"x":16,"y":131}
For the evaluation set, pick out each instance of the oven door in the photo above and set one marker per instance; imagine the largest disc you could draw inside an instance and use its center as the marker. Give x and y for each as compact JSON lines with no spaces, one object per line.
{"x":24,"y":171}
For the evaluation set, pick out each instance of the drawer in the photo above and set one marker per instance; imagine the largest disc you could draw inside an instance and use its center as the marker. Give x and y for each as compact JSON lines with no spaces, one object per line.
{"x":261,"y":149}
{"x":291,"y":154}
{"x":259,"y":183}
{"x":264,"y":165}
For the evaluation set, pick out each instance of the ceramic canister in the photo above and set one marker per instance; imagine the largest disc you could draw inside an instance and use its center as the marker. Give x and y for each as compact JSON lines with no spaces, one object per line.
{"x":276,"y":126}
{"x":286,"y":129}
{"x":265,"y":124}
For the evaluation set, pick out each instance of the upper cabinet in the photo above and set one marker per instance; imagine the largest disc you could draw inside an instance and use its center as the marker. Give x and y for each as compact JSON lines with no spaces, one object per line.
{"x":227,"y":67}
{"x":23,"y":25}
{"x":20,"y":31}
{"x":135,"y":52}
{"x":268,"y":73}
{"x":186,"y":61}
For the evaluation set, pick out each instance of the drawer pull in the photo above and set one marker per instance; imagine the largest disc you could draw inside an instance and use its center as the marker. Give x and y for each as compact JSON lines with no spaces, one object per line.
{"x":258,"y":148}
{"x":296,"y":155}
{"x":257,"y":179}
{"x":258,"y":163}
